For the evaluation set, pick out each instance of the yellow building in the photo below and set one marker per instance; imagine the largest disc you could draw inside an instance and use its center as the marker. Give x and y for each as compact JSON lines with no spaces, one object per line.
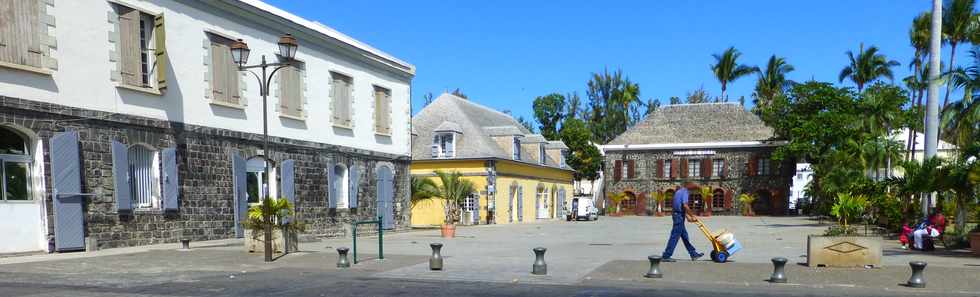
{"x":520,"y":177}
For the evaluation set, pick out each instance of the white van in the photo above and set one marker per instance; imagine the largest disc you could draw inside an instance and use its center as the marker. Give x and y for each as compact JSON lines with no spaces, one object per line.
{"x":581,"y":208}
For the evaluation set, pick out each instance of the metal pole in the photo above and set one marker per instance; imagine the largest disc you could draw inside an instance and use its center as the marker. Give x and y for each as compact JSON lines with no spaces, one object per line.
{"x":381,"y":246}
{"x":354,"y":233}
{"x":932,"y":101}
{"x":265,"y":126}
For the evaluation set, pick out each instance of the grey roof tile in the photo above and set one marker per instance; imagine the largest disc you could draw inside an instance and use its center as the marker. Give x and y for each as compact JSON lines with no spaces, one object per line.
{"x":696,"y":123}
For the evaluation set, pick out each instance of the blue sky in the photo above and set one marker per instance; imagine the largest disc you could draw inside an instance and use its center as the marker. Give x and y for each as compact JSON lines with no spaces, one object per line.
{"x":505,"y":53}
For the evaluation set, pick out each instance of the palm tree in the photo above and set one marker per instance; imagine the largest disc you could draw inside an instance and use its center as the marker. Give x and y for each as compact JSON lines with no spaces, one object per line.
{"x":917,"y":82}
{"x":917,"y":179}
{"x":867,"y":67}
{"x":956,"y":177}
{"x":422,"y":188}
{"x":962,"y":118}
{"x":727,"y":69}
{"x":959,"y":23}
{"x":453,"y":189}
{"x":772,"y":82}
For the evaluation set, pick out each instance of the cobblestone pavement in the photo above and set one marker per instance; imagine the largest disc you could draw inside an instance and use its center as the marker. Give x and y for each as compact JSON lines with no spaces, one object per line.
{"x":601,"y":258}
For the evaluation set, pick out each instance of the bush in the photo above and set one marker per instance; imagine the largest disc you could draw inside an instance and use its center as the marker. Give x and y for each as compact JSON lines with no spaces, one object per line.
{"x":848,"y":208}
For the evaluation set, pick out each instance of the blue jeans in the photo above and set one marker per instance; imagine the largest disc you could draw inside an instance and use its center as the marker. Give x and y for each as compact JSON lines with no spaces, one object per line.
{"x":678,"y":231}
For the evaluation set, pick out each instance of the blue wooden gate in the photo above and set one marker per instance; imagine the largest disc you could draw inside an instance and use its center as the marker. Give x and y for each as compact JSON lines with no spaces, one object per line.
{"x":386,"y":198}
{"x":520,"y":204}
{"x":69,"y":231}
{"x":240,"y":199}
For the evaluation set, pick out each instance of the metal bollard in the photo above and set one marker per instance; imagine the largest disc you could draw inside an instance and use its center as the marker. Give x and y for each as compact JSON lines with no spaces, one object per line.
{"x":918,"y":279}
{"x":539,"y":267}
{"x":778,"y":270}
{"x":654,"y":268}
{"x":342,"y":257}
{"x":435,"y":262}
{"x":185,"y":243}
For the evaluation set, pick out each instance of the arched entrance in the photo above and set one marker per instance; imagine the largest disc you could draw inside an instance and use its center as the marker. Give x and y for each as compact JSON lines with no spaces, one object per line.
{"x":763,"y":202}
{"x":386,"y":197}
{"x":695,"y":202}
{"x":669,"y":200}
{"x":20,"y":205}
{"x":628,"y":204}
{"x":718,"y":200}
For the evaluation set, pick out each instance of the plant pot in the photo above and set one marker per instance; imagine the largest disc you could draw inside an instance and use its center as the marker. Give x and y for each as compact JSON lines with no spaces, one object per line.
{"x":448,"y":230}
{"x":843,"y":251}
{"x":255,"y":241}
{"x":975,"y":243}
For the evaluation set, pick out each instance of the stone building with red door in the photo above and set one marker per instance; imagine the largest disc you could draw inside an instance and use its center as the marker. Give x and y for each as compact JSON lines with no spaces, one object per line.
{"x":720,"y":147}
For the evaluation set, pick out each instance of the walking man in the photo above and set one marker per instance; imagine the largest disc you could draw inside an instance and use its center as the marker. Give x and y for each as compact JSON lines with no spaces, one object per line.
{"x":681,"y":211}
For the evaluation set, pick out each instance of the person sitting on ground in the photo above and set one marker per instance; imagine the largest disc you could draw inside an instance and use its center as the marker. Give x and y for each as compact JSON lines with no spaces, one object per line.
{"x":905,"y":236}
{"x":930,"y":228}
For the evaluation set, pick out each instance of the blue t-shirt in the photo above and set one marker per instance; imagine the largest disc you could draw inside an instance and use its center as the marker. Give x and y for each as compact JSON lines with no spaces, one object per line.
{"x":680,"y":198}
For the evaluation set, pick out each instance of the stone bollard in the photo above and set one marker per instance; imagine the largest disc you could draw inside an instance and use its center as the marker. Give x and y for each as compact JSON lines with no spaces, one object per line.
{"x":185,"y":244}
{"x":435,"y":262}
{"x":654,"y":268}
{"x":778,"y":270}
{"x":539,"y":267}
{"x":918,"y":279}
{"x":342,"y":257}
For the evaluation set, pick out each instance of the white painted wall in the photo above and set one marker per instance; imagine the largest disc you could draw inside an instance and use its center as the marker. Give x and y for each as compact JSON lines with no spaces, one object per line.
{"x":801,"y":178}
{"x":83,"y":77}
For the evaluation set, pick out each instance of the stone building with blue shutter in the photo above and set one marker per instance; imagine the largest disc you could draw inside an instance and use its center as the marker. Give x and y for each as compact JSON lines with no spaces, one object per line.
{"x":720,"y":147}
{"x":127,"y":123}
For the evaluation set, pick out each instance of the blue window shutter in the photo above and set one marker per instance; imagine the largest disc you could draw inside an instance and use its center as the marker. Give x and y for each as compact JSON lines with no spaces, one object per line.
{"x":331,"y":186}
{"x":288,"y":187}
{"x":354,"y":178}
{"x":537,"y":205}
{"x":239,"y":200}
{"x":69,"y":232}
{"x":520,"y":204}
{"x":120,"y":176}
{"x":171,"y":187}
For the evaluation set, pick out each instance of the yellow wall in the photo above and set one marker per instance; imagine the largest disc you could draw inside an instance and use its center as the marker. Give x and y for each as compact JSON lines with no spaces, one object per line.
{"x":509,"y":174}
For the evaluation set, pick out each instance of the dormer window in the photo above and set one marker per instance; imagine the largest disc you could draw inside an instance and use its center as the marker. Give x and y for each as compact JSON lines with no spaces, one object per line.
{"x":541,"y":153}
{"x":517,"y":148}
{"x":444,"y":145}
{"x":561,"y":160}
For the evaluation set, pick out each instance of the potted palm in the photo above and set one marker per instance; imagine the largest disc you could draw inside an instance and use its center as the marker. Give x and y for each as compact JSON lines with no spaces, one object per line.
{"x":659,"y":198}
{"x":452,"y":190}
{"x":706,"y":200}
{"x":746,"y":202}
{"x":840,"y":245}
{"x":270,"y":226}
{"x":616,"y":208}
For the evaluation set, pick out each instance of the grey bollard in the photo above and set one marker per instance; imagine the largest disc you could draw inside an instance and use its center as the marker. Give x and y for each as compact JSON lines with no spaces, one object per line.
{"x":435,"y":262}
{"x":654,"y":268}
{"x":918,"y":279}
{"x":342,"y":257}
{"x":778,"y":270}
{"x":185,"y":243}
{"x":539,"y":267}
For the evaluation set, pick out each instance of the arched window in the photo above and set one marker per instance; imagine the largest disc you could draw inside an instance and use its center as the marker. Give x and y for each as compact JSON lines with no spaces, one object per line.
{"x":144,"y":176}
{"x":342,"y":183}
{"x":718,"y":198}
{"x":257,"y":184}
{"x":15,"y":167}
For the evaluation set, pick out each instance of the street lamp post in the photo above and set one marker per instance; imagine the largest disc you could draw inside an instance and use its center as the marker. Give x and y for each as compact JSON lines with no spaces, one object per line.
{"x":239,"y":53}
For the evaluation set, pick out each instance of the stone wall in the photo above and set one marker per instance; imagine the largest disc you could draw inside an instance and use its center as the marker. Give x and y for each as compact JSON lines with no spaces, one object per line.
{"x":205,"y":175}
{"x":737,"y":180}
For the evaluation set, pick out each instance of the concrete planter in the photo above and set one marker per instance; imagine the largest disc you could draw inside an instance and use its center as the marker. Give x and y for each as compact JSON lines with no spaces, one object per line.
{"x":255,"y":241}
{"x":975,"y":243}
{"x":843,"y":251}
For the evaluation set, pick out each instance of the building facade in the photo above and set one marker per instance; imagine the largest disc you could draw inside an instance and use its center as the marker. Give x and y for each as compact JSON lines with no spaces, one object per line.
{"x":519,"y":176}
{"x":718,"y":146}
{"x":126,"y":122}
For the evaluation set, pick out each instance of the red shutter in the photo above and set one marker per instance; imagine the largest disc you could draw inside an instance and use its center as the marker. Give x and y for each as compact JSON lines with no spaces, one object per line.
{"x":753,"y":161}
{"x":778,"y":202}
{"x":724,"y":168}
{"x":617,"y":170}
{"x":660,"y":168}
{"x":706,"y":168}
{"x":631,"y":169}
{"x":728,"y":199}
{"x":673,"y":168}
{"x":641,"y":205}
{"x":683,"y":168}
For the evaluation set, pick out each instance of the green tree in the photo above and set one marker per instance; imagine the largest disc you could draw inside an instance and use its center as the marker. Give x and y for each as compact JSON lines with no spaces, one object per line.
{"x":583,"y":156}
{"x":453,"y":189}
{"x":917,"y":179}
{"x":917,"y":83}
{"x":675,"y":100}
{"x":727,"y":69}
{"x":652,"y":106}
{"x":961,"y":120}
{"x":700,"y":95}
{"x":959,"y":25}
{"x":422,"y":189}
{"x":848,"y":207}
{"x":866,"y":67}
{"x":269,"y":215}
{"x":526,"y":123}
{"x":613,"y":99}
{"x":955,"y":177}
{"x":549,"y":111}
{"x":772,"y":81}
